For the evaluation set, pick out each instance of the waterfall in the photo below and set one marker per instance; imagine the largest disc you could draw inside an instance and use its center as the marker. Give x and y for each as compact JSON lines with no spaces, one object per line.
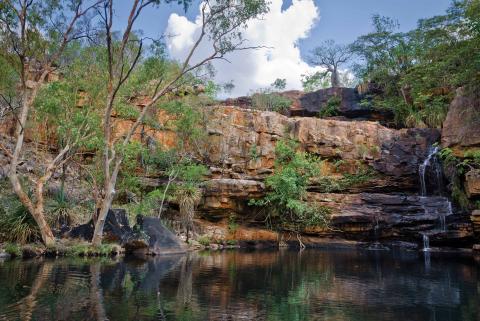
{"x":443,"y":216}
{"x":443,"y":225}
{"x":423,"y":168}
{"x":376,"y":228}
{"x":426,"y":243}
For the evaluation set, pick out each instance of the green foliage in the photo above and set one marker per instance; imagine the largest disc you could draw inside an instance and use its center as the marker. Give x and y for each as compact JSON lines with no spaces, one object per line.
{"x":279,"y":84}
{"x":469,"y":161}
{"x":418,"y":71}
{"x":460,"y":197}
{"x":204,"y":240}
{"x":187,"y":123}
{"x":16,"y":223}
{"x":328,"y":184}
{"x":330,"y":57}
{"x":60,"y":210}
{"x":13,"y":249}
{"x":253,"y":152}
{"x":458,"y":167}
{"x":128,"y":180}
{"x":331,"y":107}
{"x":315,"y":81}
{"x":270,"y":101}
{"x":285,"y":200}
{"x":477,"y":205}
{"x":232,"y":223}
{"x":86,"y":249}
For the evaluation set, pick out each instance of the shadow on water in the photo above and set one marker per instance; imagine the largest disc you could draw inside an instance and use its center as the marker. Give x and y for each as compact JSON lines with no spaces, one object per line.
{"x":259,"y":285}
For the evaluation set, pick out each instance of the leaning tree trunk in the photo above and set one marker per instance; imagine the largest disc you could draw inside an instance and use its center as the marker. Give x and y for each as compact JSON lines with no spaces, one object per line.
{"x":36,"y":210}
{"x":106,"y":204}
{"x":102,"y":216}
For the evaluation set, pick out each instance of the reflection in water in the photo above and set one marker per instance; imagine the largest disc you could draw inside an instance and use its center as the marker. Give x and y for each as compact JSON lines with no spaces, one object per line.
{"x":276,"y":285}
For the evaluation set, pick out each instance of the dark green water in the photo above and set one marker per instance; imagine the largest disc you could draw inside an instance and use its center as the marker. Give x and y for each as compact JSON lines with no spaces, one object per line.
{"x":286,"y":285}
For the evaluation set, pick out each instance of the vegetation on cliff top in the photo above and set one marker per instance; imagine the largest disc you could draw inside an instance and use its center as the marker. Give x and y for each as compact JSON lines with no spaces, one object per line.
{"x":416,"y":73}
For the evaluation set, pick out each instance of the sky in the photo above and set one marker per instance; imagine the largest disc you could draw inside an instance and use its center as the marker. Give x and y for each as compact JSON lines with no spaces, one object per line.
{"x":291,"y":30}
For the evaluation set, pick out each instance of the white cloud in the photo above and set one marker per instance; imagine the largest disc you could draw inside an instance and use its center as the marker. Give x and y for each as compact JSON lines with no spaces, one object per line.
{"x":279,"y":30}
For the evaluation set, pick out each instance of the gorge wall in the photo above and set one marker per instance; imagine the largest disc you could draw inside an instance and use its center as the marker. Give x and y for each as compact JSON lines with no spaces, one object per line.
{"x":390,"y":206}
{"x":385,"y":207}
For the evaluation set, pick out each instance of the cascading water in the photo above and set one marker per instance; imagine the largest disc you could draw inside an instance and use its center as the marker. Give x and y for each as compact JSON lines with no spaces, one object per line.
{"x":423,"y":169}
{"x":442,"y":216}
{"x":426,"y":243}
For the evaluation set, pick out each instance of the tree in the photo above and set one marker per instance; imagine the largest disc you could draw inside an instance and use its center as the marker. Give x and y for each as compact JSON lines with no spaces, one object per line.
{"x":386,"y":54}
{"x":34,"y":38}
{"x":222,"y":22}
{"x":331,"y":56}
{"x":315,"y":81}
{"x":416,"y":72}
{"x":279,"y":84}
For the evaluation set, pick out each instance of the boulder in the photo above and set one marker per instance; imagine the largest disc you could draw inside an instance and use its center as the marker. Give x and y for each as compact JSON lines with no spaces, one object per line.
{"x":461,"y":129}
{"x":117,"y":228}
{"x":475,"y":218}
{"x":352,"y":104}
{"x":153,"y":238}
{"x":472,"y":183}
{"x":313,"y":102}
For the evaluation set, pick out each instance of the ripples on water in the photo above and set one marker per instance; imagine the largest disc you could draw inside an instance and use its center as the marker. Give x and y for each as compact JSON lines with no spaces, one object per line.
{"x":285,"y":285}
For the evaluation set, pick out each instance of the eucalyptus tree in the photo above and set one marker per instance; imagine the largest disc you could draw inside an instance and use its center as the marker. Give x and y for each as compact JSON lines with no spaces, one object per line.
{"x":221,"y":24}
{"x":34,"y":36}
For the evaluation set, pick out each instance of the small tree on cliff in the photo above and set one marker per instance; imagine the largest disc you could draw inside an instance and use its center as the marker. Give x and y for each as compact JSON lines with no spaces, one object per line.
{"x":222,"y":22}
{"x":34,"y":36}
{"x":331,"y":56}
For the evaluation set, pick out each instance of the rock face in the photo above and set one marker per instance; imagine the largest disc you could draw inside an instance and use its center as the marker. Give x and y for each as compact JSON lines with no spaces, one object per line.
{"x":472,"y":183}
{"x":352,"y":105}
{"x":391,"y":217}
{"x":310,"y":104}
{"x":476,"y":221}
{"x":241,"y":144}
{"x":240,"y":149}
{"x":461,"y":129}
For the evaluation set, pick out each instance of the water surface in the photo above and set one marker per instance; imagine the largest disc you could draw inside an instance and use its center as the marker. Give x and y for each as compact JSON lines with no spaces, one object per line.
{"x":285,"y":285}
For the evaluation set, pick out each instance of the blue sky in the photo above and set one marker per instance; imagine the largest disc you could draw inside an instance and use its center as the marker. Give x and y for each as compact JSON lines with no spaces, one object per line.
{"x":341,"y":20}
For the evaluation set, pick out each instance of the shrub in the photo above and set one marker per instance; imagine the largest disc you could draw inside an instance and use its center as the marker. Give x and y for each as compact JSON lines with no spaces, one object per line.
{"x":204,"y":240}
{"x":232,"y":223}
{"x":60,"y":210}
{"x":287,"y":189}
{"x":331,"y":107}
{"x":86,"y":249}
{"x":13,"y":249}
{"x":270,"y":101}
{"x":16,"y":223}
